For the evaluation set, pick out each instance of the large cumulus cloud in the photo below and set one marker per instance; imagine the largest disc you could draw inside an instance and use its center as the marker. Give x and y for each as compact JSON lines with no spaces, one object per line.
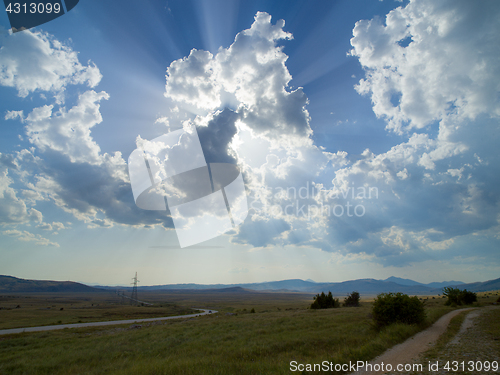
{"x":430,"y":66}
{"x":430,"y":60}
{"x":252,"y":70}
{"x":34,"y":61}
{"x":431,"y":73}
{"x":268,"y":132}
{"x":66,"y":165}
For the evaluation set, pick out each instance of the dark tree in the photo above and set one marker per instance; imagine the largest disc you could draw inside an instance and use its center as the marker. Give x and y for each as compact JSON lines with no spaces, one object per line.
{"x":352,"y":300}
{"x":324,"y":301}
{"x":457,"y":297}
{"x":397,"y":308}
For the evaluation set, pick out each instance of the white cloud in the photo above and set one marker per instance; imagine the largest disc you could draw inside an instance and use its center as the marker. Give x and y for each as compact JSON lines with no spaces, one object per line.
{"x":267,"y":130}
{"x":68,"y":132}
{"x":11,"y":115}
{"x":69,"y":168}
{"x":419,"y":207}
{"x":55,"y":226}
{"x":45,"y":226}
{"x":431,"y":190}
{"x":59,"y":226}
{"x":449,"y":68}
{"x":13,"y":210}
{"x":252,"y":71}
{"x":191,"y":80}
{"x":29,"y":237}
{"x":31,"y":61}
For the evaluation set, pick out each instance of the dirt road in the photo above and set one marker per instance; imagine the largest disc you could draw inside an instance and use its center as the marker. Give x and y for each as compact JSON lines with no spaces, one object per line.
{"x":408,"y":351}
{"x":96,"y":324}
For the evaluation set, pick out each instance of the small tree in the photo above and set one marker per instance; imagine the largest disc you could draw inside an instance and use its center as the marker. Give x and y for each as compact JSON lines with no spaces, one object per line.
{"x":397,"y":308}
{"x":468,"y":297}
{"x":453,"y":295}
{"x":352,"y":300}
{"x":459,"y":297}
{"x":324,"y":301}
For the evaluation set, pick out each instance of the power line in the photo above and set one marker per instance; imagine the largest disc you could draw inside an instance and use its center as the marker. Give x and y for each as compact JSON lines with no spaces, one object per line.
{"x":134,"y":298}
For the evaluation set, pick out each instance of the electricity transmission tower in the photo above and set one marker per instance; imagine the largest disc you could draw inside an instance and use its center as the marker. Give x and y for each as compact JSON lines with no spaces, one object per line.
{"x":134,"y":299}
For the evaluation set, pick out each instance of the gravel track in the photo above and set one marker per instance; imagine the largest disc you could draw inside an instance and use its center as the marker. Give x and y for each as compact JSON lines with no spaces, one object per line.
{"x":472,"y":343}
{"x":410,"y":351}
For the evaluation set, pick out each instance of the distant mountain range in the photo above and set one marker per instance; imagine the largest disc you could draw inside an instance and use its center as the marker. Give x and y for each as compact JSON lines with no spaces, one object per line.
{"x":409,"y":282}
{"x":363,"y":286}
{"x":9,"y":284}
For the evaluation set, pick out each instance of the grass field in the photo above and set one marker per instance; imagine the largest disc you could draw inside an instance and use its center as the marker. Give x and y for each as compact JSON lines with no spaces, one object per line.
{"x":32,"y":310}
{"x":235,"y":341}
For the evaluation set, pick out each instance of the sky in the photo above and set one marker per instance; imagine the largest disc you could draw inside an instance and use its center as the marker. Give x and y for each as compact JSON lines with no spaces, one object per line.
{"x":365,"y":132}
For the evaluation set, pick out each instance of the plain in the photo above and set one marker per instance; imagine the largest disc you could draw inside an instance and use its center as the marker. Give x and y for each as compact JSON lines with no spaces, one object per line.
{"x":234,"y":341}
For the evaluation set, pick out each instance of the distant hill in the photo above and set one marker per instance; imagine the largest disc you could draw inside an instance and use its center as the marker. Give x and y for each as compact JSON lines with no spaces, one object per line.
{"x":234,"y":289}
{"x":289,"y":285}
{"x":409,"y":282}
{"x":363,"y":286}
{"x":485,"y":286}
{"x":445,"y":283}
{"x":10,"y":284}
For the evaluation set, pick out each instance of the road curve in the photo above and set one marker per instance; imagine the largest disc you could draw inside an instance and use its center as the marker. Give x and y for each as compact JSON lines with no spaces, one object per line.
{"x":97,"y":324}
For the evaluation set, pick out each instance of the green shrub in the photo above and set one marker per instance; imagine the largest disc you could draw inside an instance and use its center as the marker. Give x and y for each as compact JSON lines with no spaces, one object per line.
{"x":352,"y":300}
{"x":397,"y":308}
{"x":324,"y":301}
{"x":453,"y":295}
{"x":468,"y":298}
{"x":459,"y":297}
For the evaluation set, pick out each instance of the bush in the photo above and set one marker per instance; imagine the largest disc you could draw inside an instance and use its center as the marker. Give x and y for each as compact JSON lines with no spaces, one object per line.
{"x":352,"y":300}
{"x":459,"y":297}
{"x":324,"y":301}
{"x":468,"y":298}
{"x":453,"y":295}
{"x":397,"y":308}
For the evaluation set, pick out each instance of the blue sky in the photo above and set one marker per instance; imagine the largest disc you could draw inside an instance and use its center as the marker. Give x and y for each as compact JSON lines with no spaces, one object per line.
{"x":366,"y":133}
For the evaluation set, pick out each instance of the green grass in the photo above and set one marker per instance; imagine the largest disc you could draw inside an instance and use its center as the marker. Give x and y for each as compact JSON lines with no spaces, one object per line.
{"x":490,"y":323}
{"x":243,"y":344}
{"x":281,"y":330}
{"x":50,"y":309}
